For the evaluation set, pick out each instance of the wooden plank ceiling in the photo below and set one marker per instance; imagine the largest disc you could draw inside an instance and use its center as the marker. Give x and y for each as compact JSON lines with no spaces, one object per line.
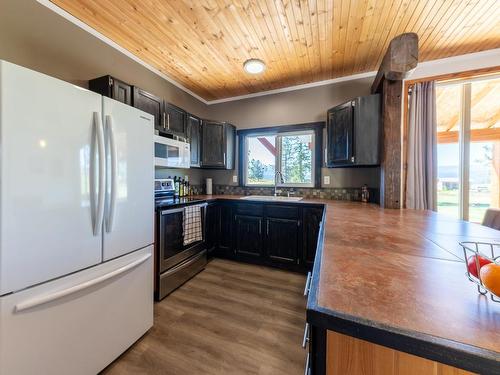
{"x":202,"y":44}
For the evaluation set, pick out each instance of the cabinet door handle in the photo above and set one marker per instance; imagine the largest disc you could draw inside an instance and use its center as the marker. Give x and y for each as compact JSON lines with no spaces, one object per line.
{"x":352,"y":159}
{"x":307,"y":370}
{"x":326,"y":155}
{"x":305,"y":340}
{"x":308,"y":284}
{"x":267,"y":230}
{"x":224,"y":155}
{"x":163,"y":120}
{"x":260,"y":227}
{"x":168,"y":121}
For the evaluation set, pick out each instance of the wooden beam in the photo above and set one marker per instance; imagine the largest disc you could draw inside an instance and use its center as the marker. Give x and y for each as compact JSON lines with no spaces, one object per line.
{"x":475,"y":99}
{"x":390,"y":185}
{"x":399,"y":61}
{"x":493,"y":120}
{"x":268,"y":145}
{"x":457,"y":76}
{"x":477,"y":135}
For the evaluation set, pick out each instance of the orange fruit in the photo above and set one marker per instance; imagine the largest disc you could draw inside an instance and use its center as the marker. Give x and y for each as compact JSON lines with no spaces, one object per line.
{"x":490,"y":276}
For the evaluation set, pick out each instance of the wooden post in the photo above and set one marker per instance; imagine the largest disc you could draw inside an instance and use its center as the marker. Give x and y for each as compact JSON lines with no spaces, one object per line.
{"x":399,"y":61}
{"x":390,"y":170}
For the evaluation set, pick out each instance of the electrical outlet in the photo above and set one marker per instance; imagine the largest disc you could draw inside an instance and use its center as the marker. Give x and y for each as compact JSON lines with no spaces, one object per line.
{"x":326,"y":180}
{"x":235,"y":179}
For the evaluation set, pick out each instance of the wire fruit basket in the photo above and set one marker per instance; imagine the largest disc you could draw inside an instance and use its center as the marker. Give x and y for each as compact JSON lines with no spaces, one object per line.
{"x":486,"y":250}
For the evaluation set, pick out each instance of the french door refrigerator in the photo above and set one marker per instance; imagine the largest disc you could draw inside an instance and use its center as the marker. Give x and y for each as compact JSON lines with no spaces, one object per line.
{"x":76,"y":225}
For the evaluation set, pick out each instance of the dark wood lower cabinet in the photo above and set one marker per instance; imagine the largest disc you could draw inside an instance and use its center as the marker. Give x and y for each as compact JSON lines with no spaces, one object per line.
{"x":211,"y":227}
{"x":283,"y":240}
{"x":248,"y":236}
{"x":311,"y":217}
{"x":225,"y":238}
{"x":282,"y":235}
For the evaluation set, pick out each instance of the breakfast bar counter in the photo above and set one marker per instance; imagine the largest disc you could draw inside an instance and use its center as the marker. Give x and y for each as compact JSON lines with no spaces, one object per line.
{"x":397,"y":278}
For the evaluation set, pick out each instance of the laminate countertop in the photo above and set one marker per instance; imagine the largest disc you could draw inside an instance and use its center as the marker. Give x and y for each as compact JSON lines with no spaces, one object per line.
{"x":397,"y":278}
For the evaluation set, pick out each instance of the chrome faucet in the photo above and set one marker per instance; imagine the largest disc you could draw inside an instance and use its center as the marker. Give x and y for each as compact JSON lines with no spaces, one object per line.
{"x":282,"y":181}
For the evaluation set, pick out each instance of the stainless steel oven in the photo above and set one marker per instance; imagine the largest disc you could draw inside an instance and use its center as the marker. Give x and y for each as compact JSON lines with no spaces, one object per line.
{"x":177,"y":262}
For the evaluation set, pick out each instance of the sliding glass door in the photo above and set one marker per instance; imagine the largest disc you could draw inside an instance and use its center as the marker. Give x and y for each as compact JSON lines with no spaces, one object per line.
{"x":468,"y":129}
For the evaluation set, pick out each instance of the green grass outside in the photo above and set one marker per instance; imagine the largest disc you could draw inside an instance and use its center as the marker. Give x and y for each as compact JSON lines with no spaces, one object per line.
{"x":479,"y":202}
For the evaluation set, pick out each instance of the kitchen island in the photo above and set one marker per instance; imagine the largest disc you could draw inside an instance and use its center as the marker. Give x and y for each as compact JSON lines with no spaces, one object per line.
{"x":396,"y":279}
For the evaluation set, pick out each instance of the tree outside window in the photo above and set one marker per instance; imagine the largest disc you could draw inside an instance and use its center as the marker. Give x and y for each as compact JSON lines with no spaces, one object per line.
{"x":290,"y":153}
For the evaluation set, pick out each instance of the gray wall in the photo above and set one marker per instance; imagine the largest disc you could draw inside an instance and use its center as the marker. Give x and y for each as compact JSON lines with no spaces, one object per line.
{"x":294,"y":107}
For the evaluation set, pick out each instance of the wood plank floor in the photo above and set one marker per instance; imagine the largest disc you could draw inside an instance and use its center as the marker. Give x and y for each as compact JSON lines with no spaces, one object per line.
{"x":232,"y":318}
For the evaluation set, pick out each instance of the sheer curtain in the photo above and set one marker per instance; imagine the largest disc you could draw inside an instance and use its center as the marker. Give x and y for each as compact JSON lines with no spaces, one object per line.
{"x":421,"y":176}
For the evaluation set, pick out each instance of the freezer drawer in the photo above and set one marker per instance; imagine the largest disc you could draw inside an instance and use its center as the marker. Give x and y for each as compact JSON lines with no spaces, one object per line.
{"x":80,"y":323}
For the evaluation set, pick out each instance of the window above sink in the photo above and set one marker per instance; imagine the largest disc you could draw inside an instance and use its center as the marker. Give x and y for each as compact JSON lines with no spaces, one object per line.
{"x":293,"y":151}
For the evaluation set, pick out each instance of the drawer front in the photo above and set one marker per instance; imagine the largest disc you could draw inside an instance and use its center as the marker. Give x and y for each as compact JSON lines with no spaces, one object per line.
{"x":175,"y":277}
{"x":250,"y":209}
{"x":101,"y":311}
{"x":282,"y":212}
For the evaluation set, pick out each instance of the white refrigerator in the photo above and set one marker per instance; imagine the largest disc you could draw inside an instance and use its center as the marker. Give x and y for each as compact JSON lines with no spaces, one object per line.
{"x":76,"y":225}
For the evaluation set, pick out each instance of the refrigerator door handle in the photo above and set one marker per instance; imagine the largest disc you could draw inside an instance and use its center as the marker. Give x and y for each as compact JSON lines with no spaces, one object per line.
{"x":49,"y":297}
{"x":102,"y":176}
{"x":92,"y":173}
{"x":114,"y":169}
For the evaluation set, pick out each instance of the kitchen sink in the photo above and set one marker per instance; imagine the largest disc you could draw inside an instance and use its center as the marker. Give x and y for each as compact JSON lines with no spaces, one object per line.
{"x":271,"y":198}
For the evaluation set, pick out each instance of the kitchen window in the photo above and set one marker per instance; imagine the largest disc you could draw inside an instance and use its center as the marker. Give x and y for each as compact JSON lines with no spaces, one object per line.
{"x":468,"y":133}
{"x":292,"y":152}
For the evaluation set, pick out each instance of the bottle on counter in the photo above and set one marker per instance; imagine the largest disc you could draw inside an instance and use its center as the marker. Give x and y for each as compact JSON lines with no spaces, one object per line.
{"x":176,"y":186}
{"x":181,"y":187}
{"x":365,"y":194}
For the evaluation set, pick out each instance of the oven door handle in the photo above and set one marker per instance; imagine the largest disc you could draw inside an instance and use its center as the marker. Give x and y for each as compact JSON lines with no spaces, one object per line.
{"x":172,"y":211}
{"x":177,"y":210}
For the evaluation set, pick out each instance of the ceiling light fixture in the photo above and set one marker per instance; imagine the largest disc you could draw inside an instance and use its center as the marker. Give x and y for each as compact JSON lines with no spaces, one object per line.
{"x":254,"y":66}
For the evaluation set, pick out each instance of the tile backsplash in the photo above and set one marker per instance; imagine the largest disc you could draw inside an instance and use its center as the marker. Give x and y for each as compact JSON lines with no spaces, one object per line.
{"x":345,"y":194}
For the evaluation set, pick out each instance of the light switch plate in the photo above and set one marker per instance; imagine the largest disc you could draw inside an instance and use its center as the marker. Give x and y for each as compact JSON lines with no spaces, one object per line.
{"x":235,"y":178}
{"x":326,"y":180}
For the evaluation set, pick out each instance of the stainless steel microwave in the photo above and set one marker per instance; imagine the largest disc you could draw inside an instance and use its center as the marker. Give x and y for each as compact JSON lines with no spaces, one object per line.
{"x":171,"y":153}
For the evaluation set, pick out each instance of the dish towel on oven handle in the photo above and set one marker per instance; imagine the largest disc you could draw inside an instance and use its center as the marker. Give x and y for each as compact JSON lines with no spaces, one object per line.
{"x":191,"y":225}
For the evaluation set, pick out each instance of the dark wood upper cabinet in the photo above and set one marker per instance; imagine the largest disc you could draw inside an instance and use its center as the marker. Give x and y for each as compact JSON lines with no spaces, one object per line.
{"x":353,"y":133}
{"x":112,"y":88}
{"x":218,"y":145}
{"x":152,"y":104}
{"x":175,"y":120}
{"x":340,"y":129}
{"x":194,"y":136}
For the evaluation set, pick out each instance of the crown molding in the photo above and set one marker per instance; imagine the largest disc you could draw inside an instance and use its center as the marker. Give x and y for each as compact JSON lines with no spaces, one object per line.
{"x":478,"y":57}
{"x":296,"y":87}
